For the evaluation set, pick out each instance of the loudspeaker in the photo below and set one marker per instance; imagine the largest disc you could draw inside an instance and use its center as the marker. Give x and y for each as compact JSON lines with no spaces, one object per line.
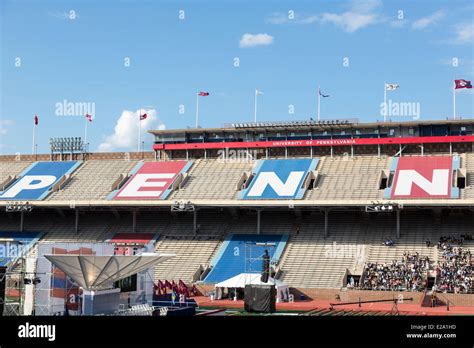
{"x":260,"y":298}
{"x":265,"y":268}
{"x":2,"y":288}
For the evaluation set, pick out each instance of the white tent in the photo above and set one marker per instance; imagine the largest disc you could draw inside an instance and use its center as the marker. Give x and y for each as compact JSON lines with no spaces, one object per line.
{"x":239,"y":281}
{"x":93,"y":272}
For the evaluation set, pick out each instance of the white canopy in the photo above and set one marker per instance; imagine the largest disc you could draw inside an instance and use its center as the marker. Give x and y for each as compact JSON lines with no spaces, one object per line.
{"x":100,"y":272}
{"x":239,"y":281}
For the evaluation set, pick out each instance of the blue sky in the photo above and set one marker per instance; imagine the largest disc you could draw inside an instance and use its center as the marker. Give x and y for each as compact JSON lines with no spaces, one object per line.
{"x":285,"y":49}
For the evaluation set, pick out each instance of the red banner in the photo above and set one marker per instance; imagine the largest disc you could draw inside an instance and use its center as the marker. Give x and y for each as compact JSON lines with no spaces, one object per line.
{"x":319,"y":142}
{"x":423,"y":177}
{"x":151,"y":180}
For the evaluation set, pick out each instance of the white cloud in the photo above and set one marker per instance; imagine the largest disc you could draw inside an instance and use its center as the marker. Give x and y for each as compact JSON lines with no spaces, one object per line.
{"x":125,"y":136}
{"x":252,"y":40}
{"x":3,"y":126}
{"x":425,"y":22}
{"x":297,"y":18}
{"x":361,"y":14}
{"x":465,"y":33}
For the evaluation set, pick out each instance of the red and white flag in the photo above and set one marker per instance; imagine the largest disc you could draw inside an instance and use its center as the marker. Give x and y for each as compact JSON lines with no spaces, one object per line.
{"x":143,"y":117}
{"x":203,"y":94}
{"x":462,"y":84}
{"x":89,"y":117}
{"x":36,"y":120}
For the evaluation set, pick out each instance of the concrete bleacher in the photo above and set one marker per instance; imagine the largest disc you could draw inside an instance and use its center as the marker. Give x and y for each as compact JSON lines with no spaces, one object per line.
{"x":315,"y":261}
{"x":347,"y":178}
{"x":308,"y":260}
{"x":93,"y":180}
{"x":192,"y":254}
{"x":468,"y":192}
{"x":416,"y":230}
{"x":213,"y":179}
{"x":12,"y":169}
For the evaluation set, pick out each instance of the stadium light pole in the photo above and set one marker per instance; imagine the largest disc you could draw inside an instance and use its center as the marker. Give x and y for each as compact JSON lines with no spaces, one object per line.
{"x":197,"y":109}
{"x":85,"y":132}
{"x":139,"y":129}
{"x":319,"y":103}
{"x":454,"y":101}
{"x":34,"y":139}
{"x":257,"y":92}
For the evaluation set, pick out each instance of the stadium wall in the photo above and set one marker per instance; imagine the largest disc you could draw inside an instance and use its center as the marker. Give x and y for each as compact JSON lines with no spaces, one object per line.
{"x":77,"y":156}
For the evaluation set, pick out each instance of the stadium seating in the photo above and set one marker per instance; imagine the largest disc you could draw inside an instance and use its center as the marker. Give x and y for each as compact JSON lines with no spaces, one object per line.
{"x":343,"y":178}
{"x":469,"y":190}
{"x":212,"y":179}
{"x":93,"y":180}
{"x":315,"y":261}
{"x":416,"y":230}
{"x":192,"y":253}
{"x":11,"y":169}
{"x":240,"y":253}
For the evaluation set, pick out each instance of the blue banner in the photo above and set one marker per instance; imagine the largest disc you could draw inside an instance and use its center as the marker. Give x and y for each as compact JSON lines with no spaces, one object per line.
{"x":279,"y":179}
{"x":35,"y":182}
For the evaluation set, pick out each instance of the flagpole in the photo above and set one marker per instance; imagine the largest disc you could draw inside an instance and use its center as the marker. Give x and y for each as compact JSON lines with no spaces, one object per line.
{"x":255,"y":108}
{"x":197,"y":110}
{"x":85,"y":133}
{"x":139,"y":128}
{"x":319,"y":103}
{"x":454,"y":101}
{"x":385,"y":102}
{"x":34,"y":136}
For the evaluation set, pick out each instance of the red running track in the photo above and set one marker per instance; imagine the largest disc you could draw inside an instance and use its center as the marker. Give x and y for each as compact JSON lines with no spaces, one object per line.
{"x":404,"y":308}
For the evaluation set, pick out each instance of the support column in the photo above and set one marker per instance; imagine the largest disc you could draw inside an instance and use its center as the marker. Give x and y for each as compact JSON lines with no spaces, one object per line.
{"x":22,"y":220}
{"x":311,"y":151}
{"x":134,"y":221}
{"x":331,"y":151}
{"x":400,"y":147}
{"x":326,"y":223}
{"x":195,"y":229}
{"x":259,"y":213}
{"x":398,"y":223}
{"x":450,"y":148}
{"x":422,"y":150}
{"x":266,"y":153}
{"x":76,"y":224}
{"x":378,"y":150}
{"x":352,"y":151}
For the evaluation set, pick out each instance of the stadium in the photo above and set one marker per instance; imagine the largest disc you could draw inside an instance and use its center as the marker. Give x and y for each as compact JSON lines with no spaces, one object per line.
{"x":333,"y":217}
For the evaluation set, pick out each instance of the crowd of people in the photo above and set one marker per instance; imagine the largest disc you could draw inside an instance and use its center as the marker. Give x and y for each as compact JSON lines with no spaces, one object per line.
{"x":454,"y":272}
{"x":407,"y":274}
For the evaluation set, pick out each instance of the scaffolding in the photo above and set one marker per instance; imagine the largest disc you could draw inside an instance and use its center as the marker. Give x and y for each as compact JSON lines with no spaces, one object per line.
{"x":34,"y":286}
